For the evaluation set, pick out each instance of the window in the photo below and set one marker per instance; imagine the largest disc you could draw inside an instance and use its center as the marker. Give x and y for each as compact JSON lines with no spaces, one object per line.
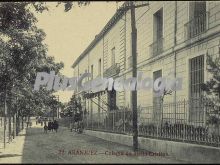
{"x":196,"y":9}
{"x":87,"y":77}
{"x":100,"y":67}
{"x":113,"y":56}
{"x":157,"y":46}
{"x":158,"y":25}
{"x":91,"y":71}
{"x":197,"y":16}
{"x":196,"y":76}
{"x":196,"y":80}
{"x":157,"y":107}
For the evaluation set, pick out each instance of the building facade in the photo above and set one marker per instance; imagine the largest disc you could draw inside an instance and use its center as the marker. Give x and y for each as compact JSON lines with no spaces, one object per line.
{"x":173,"y":40}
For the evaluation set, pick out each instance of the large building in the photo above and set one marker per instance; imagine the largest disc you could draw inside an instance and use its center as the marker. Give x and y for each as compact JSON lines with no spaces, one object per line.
{"x":173,"y":40}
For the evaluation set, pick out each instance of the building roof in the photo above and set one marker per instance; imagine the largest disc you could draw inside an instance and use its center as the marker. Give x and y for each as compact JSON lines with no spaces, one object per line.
{"x":119,"y":13}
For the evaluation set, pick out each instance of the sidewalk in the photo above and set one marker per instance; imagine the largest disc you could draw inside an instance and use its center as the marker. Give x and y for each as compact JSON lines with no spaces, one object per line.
{"x":34,"y":146}
{"x":13,"y":151}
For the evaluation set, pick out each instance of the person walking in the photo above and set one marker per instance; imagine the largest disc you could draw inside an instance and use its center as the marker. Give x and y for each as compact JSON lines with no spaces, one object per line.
{"x":55,"y":125}
{"x":30,"y":123}
{"x":52,"y":126}
{"x":49,"y":125}
{"x":36,"y":120}
{"x":27,"y":123}
{"x":45,"y":122}
{"x":45,"y":128}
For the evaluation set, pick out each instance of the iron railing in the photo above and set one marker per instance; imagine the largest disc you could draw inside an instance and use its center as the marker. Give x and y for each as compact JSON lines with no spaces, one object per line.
{"x":196,"y":25}
{"x":179,"y":121}
{"x":112,"y":70}
{"x":156,"y":47}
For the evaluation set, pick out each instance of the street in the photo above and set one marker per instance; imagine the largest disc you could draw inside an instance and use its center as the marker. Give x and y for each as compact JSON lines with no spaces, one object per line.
{"x":34,"y":146}
{"x":124,"y":75}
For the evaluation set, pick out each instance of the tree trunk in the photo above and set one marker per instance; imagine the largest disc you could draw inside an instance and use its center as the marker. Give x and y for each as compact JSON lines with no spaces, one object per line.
{"x":17,"y":124}
{"x":22,"y":124}
{"x":13,"y":126}
{"x":9,"y":127}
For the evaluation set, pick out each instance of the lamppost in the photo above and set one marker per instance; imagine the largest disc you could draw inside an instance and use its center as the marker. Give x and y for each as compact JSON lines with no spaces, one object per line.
{"x":132,"y":5}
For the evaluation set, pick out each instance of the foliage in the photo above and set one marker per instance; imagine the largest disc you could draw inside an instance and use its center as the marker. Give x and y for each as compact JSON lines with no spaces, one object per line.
{"x":74,"y":108}
{"x":22,"y":55}
{"x":212,"y":87}
{"x":212,"y":90}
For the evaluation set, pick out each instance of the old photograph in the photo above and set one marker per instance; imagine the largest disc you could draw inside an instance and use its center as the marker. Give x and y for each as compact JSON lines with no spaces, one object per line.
{"x":106,"y":82}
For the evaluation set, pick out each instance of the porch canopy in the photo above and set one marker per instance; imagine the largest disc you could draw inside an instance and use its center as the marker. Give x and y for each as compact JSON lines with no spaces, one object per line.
{"x":90,"y":95}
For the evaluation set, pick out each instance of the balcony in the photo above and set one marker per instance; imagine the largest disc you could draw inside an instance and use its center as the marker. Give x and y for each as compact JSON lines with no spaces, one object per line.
{"x":157,"y":47}
{"x":112,"y":70}
{"x":196,"y":26}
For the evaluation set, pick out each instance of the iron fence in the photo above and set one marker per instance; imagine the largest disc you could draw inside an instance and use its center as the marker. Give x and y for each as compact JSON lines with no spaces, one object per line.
{"x":194,"y":121}
{"x":197,"y":25}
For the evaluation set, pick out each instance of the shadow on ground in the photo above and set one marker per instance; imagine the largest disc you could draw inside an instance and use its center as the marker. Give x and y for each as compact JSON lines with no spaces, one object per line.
{"x":31,"y":146}
{"x":40,"y":147}
{"x":9,"y":155}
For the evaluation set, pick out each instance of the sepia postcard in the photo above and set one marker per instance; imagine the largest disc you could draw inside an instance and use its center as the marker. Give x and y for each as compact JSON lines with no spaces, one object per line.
{"x":106,"y":82}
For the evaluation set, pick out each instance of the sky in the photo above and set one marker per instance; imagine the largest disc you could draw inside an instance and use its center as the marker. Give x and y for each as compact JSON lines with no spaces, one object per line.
{"x":69,"y":33}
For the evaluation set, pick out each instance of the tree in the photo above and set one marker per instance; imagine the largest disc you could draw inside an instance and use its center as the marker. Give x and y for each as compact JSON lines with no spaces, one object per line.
{"x":22,"y":55}
{"x":212,"y":90}
{"x":212,"y":87}
{"x":74,"y":108}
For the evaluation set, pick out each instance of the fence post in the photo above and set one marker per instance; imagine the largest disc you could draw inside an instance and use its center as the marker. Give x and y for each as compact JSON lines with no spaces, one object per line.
{"x":87,"y":118}
{"x":92,"y":120}
{"x":105,"y":119}
{"x":102,"y":119}
{"x":124,"y":120}
{"x":157,"y":129}
{"x":113,"y":124}
{"x":91,"y":111}
{"x":204,"y":111}
{"x":184,"y":127}
{"x":98,"y":119}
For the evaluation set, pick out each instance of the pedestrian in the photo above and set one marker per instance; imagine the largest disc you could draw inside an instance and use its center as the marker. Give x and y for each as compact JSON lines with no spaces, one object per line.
{"x":27,"y":123}
{"x":71,"y":126}
{"x":45,"y":128}
{"x":55,"y":125}
{"x":76,"y":121}
{"x":81,"y":127}
{"x":30,"y":123}
{"x":45,"y":122}
{"x":49,"y":125}
{"x":52,"y":126}
{"x":36,"y":120}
